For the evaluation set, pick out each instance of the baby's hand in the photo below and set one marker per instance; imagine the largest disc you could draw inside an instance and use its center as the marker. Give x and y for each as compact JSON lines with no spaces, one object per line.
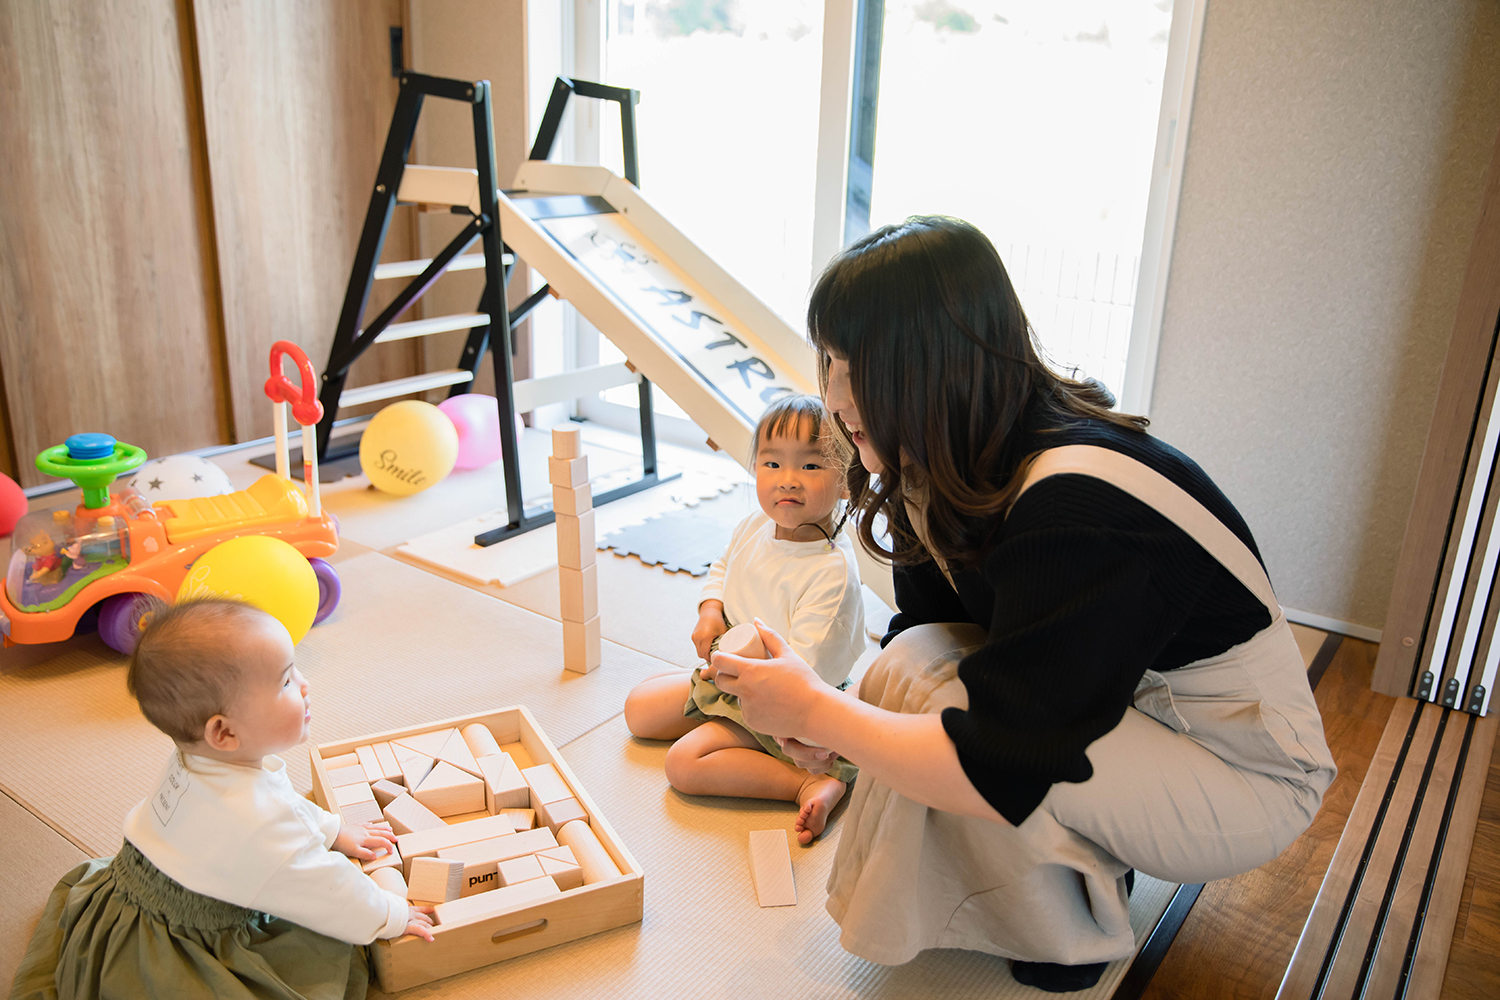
{"x":419,"y":922}
{"x":366,"y":842}
{"x":711,"y":625}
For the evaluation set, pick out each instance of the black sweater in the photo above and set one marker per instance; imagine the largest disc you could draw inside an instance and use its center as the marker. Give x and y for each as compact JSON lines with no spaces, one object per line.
{"x":1082,"y":591}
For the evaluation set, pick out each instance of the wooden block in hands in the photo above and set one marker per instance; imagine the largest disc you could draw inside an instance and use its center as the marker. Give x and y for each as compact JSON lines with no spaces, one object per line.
{"x":479,"y":739}
{"x":575,"y":540}
{"x":504,"y":785}
{"x":579,"y":590}
{"x":357,"y":804}
{"x":341,"y":776}
{"x":572,"y":501}
{"x":371,"y":764}
{"x":390,"y":767}
{"x":559,"y":863}
{"x":522,"y":869}
{"x":386,"y":792}
{"x":566,"y":442}
{"x":743,"y":640}
{"x":488,"y":904}
{"x":407,"y":815}
{"x":342,"y":760}
{"x":582,"y":650}
{"x":569,"y":473}
{"x":391,"y":859}
{"x":433,"y":880}
{"x":553,"y":815}
{"x":449,"y":791}
{"x":771,"y":866}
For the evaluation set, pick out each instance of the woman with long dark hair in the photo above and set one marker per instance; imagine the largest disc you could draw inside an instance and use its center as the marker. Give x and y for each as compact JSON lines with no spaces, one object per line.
{"x":1088,"y":672}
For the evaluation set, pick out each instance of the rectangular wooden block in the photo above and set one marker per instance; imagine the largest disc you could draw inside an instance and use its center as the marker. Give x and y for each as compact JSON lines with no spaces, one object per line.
{"x":582,"y":651}
{"x":569,"y":473}
{"x":391,"y":860}
{"x":370,"y":763}
{"x":579,"y":590}
{"x":357,"y":803}
{"x":488,"y":904}
{"x":522,"y":869}
{"x":387,"y":792}
{"x":449,"y":791}
{"x":572,"y":501}
{"x":566,"y":442}
{"x":407,"y":815}
{"x":559,"y":863}
{"x":390,"y":767}
{"x":575,"y":540}
{"x":424,"y":843}
{"x":342,"y":760}
{"x":546,"y":785}
{"x":771,"y":866}
{"x":341,"y":776}
{"x":504,"y":787}
{"x":434,"y":880}
{"x":553,"y":815}
{"x":482,"y":858}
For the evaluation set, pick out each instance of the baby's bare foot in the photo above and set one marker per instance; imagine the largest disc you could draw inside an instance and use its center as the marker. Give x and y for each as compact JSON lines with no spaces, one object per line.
{"x":817,"y":797}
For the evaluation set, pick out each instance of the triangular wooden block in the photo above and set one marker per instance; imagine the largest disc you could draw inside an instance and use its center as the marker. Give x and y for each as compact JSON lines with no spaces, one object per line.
{"x":456,"y":752}
{"x":415,"y":769}
{"x":449,"y":791}
{"x":430,"y":744}
{"x":566,"y":873}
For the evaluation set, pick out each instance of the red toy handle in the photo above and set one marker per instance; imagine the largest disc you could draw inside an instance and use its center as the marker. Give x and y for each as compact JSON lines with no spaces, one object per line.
{"x":305,"y":406}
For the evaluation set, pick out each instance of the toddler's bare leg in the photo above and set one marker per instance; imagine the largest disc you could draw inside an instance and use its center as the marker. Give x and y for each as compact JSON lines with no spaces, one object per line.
{"x":721,"y":758}
{"x":653,"y":709}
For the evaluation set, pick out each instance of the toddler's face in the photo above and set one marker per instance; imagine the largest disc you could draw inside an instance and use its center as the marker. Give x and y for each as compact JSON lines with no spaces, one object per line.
{"x":794,"y":482}
{"x":271,"y":711}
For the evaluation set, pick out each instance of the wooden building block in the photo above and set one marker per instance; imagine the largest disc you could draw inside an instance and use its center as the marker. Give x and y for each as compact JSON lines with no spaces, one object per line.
{"x":341,"y":776}
{"x":415,"y":768}
{"x":771,"y":866}
{"x":479,"y":739}
{"x":342,"y":760}
{"x":575,"y":540}
{"x":547,"y":785}
{"x":482,"y":857}
{"x":390,"y":880}
{"x":428,"y":744}
{"x":434,"y":880}
{"x":456,"y":752}
{"x":524,"y":819}
{"x":553,"y":815}
{"x":592,"y":858}
{"x":572,"y":501}
{"x":357,"y":803}
{"x":743,"y":640}
{"x":407,"y":815}
{"x":427,"y":843}
{"x":449,"y":791}
{"x":566,"y":442}
{"x":522,"y":869}
{"x":579,"y":590}
{"x":569,"y":473}
{"x":386,"y":792}
{"x":504,"y":786}
{"x":392,"y":859}
{"x":582,"y":650}
{"x":370,"y":763}
{"x":560,"y":864}
{"x":390,"y":767}
{"x":488,"y":904}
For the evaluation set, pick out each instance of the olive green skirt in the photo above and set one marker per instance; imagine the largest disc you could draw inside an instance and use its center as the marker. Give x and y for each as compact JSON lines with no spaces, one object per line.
{"x":121,"y":928}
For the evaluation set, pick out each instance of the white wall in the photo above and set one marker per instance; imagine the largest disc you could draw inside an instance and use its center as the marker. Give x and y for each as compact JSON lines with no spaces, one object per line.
{"x":1330,"y":194}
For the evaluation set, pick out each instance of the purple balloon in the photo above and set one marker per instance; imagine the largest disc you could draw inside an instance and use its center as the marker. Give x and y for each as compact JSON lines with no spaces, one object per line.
{"x":477,"y":419}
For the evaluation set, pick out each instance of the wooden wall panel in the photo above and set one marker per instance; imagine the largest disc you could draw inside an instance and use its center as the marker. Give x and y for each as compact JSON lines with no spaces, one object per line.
{"x":106,"y":314}
{"x":297,"y":98}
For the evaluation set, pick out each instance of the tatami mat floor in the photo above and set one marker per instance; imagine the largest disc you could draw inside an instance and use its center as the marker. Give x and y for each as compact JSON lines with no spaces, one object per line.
{"x":410,"y":645}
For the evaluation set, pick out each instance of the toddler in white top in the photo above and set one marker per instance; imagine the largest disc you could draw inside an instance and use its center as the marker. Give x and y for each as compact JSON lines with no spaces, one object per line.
{"x":790,"y":568}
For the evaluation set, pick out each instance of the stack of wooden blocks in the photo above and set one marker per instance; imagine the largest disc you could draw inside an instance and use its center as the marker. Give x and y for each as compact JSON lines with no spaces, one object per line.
{"x":577,"y":573}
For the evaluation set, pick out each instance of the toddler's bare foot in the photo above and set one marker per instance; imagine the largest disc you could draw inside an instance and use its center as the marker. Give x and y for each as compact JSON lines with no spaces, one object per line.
{"x":817,"y":797}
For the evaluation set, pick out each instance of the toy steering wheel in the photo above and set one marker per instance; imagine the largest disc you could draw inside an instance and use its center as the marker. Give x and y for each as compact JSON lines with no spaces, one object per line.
{"x":305,"y":406}
{"x":93,"y":462}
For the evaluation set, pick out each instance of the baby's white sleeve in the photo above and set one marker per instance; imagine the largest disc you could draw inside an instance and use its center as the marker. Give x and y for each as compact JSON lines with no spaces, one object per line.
{"x":326,"y":892}
{"x":824,"y":626}
{"x":713,"y":589}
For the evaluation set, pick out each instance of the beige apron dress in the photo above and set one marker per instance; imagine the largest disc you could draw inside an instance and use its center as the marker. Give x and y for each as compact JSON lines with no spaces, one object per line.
{"x":1216,"y":769}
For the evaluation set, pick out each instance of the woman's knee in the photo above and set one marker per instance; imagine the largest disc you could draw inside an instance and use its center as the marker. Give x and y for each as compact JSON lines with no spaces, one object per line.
{"x":918,"y":670}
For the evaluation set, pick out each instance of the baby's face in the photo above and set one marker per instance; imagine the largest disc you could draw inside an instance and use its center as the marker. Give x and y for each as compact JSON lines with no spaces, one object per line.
{"x":271,"y":711}
{"x":794,"y":482}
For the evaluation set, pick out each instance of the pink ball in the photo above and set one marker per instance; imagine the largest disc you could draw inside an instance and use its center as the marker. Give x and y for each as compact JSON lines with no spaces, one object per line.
{"x":12,"y":504}
{"x":477,"y":419}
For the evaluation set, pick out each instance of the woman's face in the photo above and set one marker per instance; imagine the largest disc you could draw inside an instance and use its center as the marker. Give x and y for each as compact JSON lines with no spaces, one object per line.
{"x":840,"y":402}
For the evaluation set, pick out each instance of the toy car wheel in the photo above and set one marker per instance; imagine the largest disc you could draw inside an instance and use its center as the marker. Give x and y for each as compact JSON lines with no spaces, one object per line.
{"x":329,"y":588}
{"x":88,"y":622}
{"x":121,"y":619}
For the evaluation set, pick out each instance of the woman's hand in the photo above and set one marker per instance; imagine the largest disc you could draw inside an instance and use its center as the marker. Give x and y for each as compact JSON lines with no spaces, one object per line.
{"x":777,"y":693}
{"x":365,"y":842}
{"x":710,"y":626}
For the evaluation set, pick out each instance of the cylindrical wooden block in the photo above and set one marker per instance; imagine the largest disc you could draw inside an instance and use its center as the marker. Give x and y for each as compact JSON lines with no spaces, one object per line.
{"x":479,"y":739}
{"x":390,"y":880}
{"x":565,"y":442}
{"x":743,"y":640}
{"x":591,"y":856}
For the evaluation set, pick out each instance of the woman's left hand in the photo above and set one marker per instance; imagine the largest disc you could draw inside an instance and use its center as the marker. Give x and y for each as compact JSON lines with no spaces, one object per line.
{"x":776,"y":694}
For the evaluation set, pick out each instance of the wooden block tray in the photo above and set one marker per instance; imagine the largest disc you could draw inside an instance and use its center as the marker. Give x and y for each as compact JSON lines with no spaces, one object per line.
{"x":409,"y":961}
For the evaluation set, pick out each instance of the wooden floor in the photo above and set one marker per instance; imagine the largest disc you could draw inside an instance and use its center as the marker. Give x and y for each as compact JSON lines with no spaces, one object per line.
{"x":1238,"y":939}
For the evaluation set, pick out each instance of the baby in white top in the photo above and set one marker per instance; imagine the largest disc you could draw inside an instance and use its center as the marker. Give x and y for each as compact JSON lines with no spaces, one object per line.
{"x":789,"y":569}
{"x":219,"y":678}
